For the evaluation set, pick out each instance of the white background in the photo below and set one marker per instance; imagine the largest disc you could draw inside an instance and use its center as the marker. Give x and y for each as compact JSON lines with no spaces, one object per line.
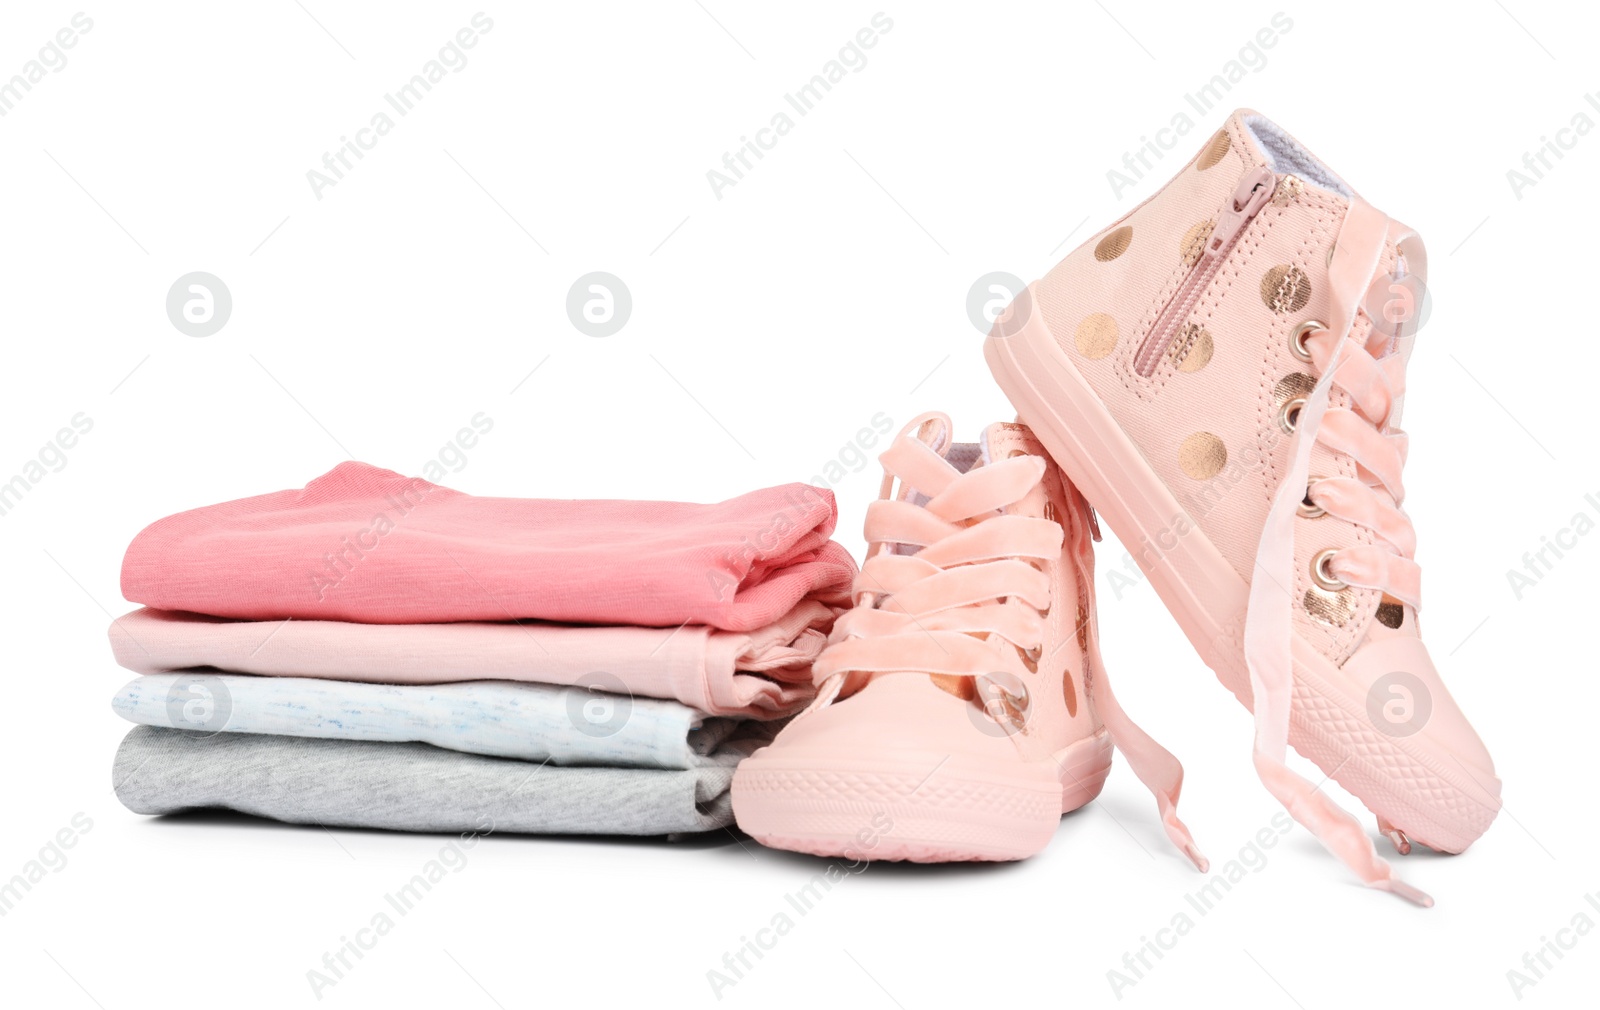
{"x":768,"y":327}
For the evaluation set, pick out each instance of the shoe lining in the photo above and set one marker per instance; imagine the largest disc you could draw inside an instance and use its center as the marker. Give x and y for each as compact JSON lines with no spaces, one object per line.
{"x":964,"y":455}
{"x":961,"y":455}
{"x":1286,"y":155}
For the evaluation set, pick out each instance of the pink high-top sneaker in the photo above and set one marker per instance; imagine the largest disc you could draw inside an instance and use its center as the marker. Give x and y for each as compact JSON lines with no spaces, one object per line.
{"x":1215,"y":376}
{"x":962,"y":707}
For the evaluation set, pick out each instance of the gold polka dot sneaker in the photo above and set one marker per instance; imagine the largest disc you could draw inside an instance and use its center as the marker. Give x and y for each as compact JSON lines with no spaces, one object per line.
{"x":962,"y":707}
{"x":1220,"y":373}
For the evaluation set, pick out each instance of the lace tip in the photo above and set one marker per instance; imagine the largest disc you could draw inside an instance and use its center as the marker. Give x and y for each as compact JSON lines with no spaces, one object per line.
{"x":1180,"y":837}
{"x":1396,"y":837}
{"x":1406,"y":891}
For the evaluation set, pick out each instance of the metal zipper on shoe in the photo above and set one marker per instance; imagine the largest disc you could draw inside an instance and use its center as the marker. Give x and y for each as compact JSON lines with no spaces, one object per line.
{"x":1252,"y":193}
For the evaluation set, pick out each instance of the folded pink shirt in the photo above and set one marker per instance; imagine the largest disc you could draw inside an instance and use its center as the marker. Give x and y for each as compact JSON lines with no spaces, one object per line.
{"x":760,"y":674}
{"x":368,"y":545}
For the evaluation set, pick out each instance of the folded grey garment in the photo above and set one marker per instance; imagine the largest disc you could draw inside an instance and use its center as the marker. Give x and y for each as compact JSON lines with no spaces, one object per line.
{"x":413,"y":786}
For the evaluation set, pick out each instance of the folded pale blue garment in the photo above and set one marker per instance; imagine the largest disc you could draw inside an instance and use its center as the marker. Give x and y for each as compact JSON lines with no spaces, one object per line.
{"x":530,"y":722}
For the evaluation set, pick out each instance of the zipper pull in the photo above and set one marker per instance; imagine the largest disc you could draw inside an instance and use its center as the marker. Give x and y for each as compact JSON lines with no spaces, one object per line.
{"x":1252,"y":193}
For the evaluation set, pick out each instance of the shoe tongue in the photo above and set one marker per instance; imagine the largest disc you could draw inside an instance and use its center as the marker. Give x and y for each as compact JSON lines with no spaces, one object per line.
{"x":998,"y":441}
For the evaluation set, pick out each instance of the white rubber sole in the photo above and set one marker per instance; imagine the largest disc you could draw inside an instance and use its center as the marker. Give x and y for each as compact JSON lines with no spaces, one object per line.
{"x":931,"y":809}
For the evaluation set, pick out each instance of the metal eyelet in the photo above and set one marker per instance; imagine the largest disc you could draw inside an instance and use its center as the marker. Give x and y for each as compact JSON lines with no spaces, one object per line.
{"x":1030,"y":659}
{"x":1308,"y":509}
{"x":1297,"y":338}
{"x":1004,"y":698}
{"x":1289,"y":414}
{"x":1324,"y":578}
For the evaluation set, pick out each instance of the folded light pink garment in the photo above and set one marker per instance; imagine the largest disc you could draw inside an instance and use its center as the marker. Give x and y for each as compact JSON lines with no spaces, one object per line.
{"x":364,"y":544}
{"x":761,"y":674}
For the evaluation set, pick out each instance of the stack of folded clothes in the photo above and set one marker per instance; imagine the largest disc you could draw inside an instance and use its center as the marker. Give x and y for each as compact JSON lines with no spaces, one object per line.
{"x":378,"y":651}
